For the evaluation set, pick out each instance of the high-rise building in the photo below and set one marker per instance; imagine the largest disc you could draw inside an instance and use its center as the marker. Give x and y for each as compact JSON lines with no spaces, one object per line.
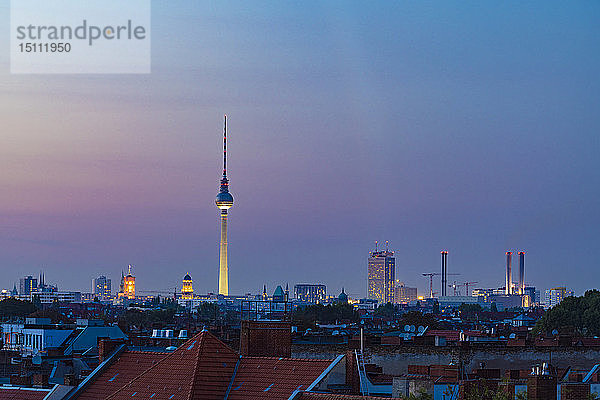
{"x":27,"y":285}
{"x":533,"y":293}
{"x":381,"y":276}
{"x":127,"y":286}
{"x":404,"y":294}
{"x":101,"y":287}
{"x":187,"y":290}
{"x":224,"y":201}
{"x":556,"y":295}
{"x":310,"y":293}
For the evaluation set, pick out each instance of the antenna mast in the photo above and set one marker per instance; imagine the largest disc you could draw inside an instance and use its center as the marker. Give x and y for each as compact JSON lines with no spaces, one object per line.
{"x":225,"y":147}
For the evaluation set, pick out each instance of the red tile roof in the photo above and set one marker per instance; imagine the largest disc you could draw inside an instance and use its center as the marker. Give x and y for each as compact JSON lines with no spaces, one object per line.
{"x":126,"y":367}
{"x":274,"y":378}
{"x":202,"y":368}
{"x":22,"y":393}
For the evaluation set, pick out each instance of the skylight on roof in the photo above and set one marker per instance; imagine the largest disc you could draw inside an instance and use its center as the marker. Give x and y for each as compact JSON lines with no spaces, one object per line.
{"x":113,"y":378}
{"x":191,"y":346}
{"x":267,"y":389}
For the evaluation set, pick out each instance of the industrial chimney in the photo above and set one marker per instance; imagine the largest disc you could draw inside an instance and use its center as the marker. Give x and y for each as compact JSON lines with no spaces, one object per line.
{"x":444,"y":272}
{"x":508,"y":288}
{"x":521,"y":272}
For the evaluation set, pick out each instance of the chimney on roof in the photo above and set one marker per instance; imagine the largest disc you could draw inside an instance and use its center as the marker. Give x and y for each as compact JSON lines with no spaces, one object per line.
{"x":106,"y":346}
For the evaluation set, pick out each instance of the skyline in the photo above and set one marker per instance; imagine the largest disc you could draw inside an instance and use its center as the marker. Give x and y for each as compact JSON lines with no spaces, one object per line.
{"x":468,"y":128}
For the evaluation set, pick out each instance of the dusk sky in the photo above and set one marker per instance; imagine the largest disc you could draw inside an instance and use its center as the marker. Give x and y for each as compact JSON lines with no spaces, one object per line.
{"x":467,"y":126}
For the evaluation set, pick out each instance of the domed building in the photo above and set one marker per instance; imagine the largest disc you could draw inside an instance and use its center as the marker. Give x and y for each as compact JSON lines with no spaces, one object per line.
{"x":187,"y":291}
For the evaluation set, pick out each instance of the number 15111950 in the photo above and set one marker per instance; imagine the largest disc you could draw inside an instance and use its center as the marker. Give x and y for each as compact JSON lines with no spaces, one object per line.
{"x":45,"y":47}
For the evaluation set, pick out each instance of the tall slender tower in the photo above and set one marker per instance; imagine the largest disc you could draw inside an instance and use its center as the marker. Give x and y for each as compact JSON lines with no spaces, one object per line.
{"x":508,"y":287}
{"x":444,"y":273}
{"x":521,"y":272}
{"x":224,"y":201}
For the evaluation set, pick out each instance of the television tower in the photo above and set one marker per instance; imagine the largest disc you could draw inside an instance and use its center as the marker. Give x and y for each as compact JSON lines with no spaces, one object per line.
{"x":224,"y":201}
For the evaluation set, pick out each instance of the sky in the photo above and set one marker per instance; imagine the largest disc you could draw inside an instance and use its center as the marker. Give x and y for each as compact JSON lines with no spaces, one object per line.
{"x":472,"y":127}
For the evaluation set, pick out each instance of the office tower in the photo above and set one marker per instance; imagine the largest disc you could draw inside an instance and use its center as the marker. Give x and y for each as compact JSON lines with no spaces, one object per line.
{"x":533,"y":293}
{"x":404,"y":294}
{"x":310,"y":293}
{"x":381,"y":276}
{"x":224,"y":201}
{"x":101,"y":287}
{"x":508,"y":287}
{"x":556,"y":295}
{"x":444,"y":273}
{"x":127,"y":286}
{"x":27,"y":285}
{"x":187,"y":290}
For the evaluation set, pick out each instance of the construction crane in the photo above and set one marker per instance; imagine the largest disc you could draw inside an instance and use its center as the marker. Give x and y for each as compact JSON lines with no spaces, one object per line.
{"x":456,"y":286}
{"x":431,"y":275}
{"x":467,"y":284}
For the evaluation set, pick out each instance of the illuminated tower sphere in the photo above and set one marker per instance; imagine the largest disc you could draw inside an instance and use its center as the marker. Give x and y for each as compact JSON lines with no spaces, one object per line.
{"x":187,"y":291}
{"x":224,"y":201}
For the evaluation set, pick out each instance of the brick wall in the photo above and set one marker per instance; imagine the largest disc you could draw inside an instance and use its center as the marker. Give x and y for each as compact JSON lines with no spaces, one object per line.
{"x":541,"y":387}
{"x":106,"y":346}
{"x":352,"y":378}
{"x":266,"y":339}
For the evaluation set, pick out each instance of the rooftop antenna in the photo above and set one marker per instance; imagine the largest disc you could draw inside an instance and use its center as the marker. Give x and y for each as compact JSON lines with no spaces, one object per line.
{"x":386,"y":246}
{"x":225,"y":148}
{"x":376,"y":246}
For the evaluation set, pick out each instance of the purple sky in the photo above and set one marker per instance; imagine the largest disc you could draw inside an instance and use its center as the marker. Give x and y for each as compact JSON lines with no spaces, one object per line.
{"x":434,"y":125}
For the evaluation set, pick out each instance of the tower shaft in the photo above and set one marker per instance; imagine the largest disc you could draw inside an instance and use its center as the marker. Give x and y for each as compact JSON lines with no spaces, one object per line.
{"x":223,"y":270}
{"x":508,"y":288}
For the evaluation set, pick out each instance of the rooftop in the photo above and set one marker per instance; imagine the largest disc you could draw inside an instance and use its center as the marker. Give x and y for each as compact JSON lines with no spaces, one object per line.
{"x":202,"y":368}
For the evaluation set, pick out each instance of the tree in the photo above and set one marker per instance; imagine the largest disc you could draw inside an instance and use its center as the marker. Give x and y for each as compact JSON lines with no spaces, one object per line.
{"x":486,"y":390}
{"x":494,"y":308}
{"x":145,"y":319}
{"x":579,"y":314}
{"x":308,"y":316}
{"x":417,"y":318}
{"x":385,"y":310}
{"x":208,"y":312}
{"x":12,"y":307}
{"x":470,"y":308}
{"x":36,"y":301}
{"x":54,"y":315}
